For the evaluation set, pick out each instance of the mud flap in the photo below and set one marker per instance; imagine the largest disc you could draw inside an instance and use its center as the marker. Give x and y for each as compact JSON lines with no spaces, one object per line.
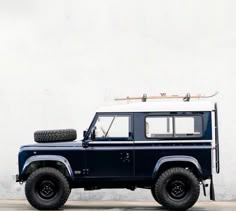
{"x":212,"y":190}
{"x":204,"y":187}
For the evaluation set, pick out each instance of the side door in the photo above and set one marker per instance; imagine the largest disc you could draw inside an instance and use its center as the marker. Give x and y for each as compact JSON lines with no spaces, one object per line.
{"x":110,"y":153}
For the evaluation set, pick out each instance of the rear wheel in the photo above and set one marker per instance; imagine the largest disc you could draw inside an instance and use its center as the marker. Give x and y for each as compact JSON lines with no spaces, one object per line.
{"x":47,"y":188}
{"x":177,"y":189}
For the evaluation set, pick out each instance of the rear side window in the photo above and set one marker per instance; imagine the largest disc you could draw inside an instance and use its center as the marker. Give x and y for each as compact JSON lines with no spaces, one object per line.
{"x":173,"y":126}
{"x":159,"y":127}
{"x":188,"y":126}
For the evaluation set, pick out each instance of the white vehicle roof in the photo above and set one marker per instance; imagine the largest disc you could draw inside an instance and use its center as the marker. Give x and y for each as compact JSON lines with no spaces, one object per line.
{"x":167,"y":106}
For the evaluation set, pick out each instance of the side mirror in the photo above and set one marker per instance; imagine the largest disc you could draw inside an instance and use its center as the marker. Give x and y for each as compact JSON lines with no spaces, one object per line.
{"x":93,"y":133}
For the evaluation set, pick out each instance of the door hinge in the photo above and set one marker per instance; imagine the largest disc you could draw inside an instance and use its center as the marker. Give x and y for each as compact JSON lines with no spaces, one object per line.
{"x":125,"y":157}
{"x":85,"y":171}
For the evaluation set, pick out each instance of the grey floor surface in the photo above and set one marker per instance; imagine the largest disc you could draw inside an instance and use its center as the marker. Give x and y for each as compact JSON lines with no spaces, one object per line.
{"x":14,"y":205}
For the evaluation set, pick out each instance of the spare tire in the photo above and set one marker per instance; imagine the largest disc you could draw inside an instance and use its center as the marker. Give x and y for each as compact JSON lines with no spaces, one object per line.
{"x":45,"y":136}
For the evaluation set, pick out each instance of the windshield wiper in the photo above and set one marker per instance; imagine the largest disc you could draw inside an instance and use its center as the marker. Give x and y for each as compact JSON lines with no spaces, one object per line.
{"x":110,"y":126}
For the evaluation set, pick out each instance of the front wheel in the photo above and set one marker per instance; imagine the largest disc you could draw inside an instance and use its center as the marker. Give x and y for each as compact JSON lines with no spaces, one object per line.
{"x":177,"y":189}
{"x":47,"y":189}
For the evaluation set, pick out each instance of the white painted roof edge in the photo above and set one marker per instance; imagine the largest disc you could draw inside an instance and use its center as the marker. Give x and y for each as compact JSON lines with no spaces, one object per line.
{"x":159,"y":106}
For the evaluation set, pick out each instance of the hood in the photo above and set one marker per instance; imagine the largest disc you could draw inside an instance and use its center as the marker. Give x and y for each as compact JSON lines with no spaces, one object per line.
{"x":55,"y":144}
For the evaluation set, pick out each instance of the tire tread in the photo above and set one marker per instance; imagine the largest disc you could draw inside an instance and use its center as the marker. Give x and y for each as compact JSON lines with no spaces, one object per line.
{"x":45,"y":136}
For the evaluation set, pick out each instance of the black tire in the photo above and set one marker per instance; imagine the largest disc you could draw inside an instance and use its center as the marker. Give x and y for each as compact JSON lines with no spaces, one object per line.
{"x":177,"y":189}
{"x":154,"y":194}
{"x":47,"y":189}
{"x":45,"y":136}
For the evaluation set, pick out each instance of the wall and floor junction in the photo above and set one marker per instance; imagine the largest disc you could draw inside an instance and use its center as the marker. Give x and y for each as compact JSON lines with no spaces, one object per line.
{"x":60,"y":60}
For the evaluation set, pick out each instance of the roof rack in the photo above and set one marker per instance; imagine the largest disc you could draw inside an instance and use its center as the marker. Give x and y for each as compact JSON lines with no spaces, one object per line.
{"x":185,"y":98}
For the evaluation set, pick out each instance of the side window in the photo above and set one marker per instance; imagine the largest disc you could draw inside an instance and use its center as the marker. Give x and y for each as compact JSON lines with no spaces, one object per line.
{"x":159,"y":127}
{"x":188,"y":126}
{"x":113,"y":126}
{"x":173,"y":126}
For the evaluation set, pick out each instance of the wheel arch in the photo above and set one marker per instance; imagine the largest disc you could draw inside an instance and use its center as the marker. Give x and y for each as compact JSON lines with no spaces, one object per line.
{"x":167,"y":162}
{"x":38,"y":161}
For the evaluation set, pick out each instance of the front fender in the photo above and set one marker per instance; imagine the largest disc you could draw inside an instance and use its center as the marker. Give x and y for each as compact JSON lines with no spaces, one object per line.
{"x":176,"y":158}
{"x":57,"y":158}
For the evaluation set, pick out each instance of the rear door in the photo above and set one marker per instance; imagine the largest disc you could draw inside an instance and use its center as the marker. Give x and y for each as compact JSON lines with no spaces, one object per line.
{"x":217,"y":153}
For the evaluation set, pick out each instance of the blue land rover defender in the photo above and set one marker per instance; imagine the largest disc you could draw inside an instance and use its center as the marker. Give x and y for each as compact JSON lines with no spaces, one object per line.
{"x":167,"y":147}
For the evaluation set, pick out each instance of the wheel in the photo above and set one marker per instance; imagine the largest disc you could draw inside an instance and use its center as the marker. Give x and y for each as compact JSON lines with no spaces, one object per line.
{"x":155,"y":195}
{"x":177,"y":189}
{"x":45,"y":136}
{"x":47,"y":189}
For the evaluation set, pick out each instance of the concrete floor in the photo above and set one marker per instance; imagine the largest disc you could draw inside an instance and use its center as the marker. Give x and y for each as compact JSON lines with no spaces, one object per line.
{"x":14,"y":205}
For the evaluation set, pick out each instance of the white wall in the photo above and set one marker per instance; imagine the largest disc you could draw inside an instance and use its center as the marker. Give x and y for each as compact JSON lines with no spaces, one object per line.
{"x":60,"y":60}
